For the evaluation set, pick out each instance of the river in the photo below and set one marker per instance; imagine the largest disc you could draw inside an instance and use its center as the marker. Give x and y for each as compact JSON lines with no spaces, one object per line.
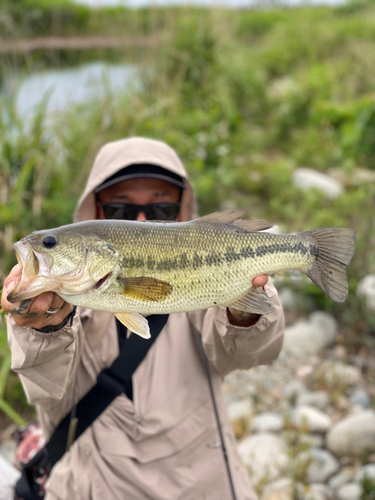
{"x":66,"y":86}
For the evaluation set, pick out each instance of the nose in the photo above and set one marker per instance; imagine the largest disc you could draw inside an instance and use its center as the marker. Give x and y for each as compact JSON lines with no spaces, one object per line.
{"x":141,"y":217}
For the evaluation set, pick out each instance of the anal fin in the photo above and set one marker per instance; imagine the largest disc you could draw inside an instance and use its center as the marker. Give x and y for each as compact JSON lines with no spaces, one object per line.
{"x":135,"y":322}
{"x":255,"y":301}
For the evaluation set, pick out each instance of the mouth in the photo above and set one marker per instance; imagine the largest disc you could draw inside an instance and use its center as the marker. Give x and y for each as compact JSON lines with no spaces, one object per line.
{"x":35,"y":267}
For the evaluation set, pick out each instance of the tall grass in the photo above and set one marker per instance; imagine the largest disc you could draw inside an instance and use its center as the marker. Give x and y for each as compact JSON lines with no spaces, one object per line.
{"x":245,"y":98}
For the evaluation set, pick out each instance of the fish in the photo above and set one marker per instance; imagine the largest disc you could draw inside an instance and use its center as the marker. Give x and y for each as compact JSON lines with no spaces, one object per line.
{"x":134,"y":269}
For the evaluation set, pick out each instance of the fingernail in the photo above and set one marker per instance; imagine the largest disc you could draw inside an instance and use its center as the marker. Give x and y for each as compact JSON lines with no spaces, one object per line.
{"x":11,"y":286}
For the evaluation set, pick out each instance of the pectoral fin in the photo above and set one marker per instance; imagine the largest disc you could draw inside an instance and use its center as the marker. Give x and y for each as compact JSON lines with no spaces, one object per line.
{"x":144,"y":288}
{"x":136,"y":323}
{"x":255,"y":301}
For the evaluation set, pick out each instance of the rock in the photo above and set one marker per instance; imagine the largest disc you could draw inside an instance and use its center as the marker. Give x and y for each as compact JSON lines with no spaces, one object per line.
{"x":295,"y":301}
{"x":354,"y":434}
{"x":8,"y":449}
{"x":322,"y":466}
{"x":312,"y":335}
{"x":366,"y":289}
{"x":359,"y":397}
{"x":366,"y":471}
{"x":279,"y":490}
{"x":312,"y":440}
{"x":357,"y":176}
{"x":293,"y":389}
{"x":9,"y":476}
{"x":338,"y":374}
{"x":307,"y":178}
{"x":317,"y":491}
{"x":318,"y":399}
{"x":267,"y":422}
{"x":239,"y":414}
{"x":265,"y":455}
{"x":312,"y":418}
{"x":343,"y":477}
{"x":239,"y":409}
{"x":350,"y":491}
{"x":287,"y":298}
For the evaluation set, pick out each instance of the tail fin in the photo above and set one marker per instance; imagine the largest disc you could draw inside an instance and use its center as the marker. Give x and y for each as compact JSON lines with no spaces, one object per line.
{"x":335,"y":251}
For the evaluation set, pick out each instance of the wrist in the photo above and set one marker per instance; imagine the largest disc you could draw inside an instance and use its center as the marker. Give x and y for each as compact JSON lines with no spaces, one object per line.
{"x":60,"y":326}
{"x":242,"y":318}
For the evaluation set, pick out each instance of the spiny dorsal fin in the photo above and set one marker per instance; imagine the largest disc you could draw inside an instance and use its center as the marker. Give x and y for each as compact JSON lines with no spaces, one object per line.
{"x":225,"y":217}
{"x":145,"y":288}
{"x":232,"y":216}
{"x":252,"y":226}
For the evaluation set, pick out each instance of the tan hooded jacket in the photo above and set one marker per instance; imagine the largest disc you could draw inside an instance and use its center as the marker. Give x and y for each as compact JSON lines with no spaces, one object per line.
{"x":163,"y":445}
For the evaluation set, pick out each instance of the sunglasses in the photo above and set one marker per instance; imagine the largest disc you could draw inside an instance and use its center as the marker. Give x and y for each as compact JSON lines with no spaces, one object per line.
{"x":128,"y":211}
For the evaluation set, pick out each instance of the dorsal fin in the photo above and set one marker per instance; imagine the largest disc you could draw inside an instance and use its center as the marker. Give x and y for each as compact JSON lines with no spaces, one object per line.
{"x":225,"y":217}
{"x":252,"y":226}
{"x":232,"y":216}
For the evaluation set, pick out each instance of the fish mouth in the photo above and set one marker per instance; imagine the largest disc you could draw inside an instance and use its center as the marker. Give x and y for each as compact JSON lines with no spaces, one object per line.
{"x":35,"y":267}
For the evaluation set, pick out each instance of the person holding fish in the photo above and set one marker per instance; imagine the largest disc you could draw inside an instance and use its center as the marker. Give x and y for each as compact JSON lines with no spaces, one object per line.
{"x":157,"y":438}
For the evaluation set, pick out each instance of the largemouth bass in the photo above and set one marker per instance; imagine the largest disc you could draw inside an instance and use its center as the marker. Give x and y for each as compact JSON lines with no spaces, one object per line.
{"x":132,"y":268}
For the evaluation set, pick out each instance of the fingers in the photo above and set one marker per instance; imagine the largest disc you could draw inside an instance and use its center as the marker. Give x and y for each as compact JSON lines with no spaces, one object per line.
{"x":261,"y":280}
{"x":44,"y":310}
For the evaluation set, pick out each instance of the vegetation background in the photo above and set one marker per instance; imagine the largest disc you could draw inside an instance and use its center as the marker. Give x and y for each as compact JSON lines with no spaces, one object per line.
{"x":245,"y":97}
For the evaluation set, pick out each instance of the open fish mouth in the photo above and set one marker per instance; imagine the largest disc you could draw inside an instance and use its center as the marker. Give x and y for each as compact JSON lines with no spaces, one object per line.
{"x":35,"y":267}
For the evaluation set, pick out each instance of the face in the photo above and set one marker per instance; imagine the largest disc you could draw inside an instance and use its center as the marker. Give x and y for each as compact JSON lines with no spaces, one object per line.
{"x":142,"y":191}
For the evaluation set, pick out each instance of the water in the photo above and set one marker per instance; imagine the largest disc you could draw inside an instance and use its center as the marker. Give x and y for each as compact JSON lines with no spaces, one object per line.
{"x":67,"y":86}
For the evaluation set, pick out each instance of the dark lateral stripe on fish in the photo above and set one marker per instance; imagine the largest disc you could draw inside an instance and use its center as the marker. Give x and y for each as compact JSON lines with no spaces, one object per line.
{"x":215,"y":258}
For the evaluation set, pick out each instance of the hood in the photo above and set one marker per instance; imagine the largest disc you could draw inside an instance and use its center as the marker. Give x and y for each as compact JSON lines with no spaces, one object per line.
{"x":117,"y":155}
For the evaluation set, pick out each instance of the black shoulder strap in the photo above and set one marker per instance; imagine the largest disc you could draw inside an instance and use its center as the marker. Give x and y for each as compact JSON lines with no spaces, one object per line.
{"x":111,"y":382}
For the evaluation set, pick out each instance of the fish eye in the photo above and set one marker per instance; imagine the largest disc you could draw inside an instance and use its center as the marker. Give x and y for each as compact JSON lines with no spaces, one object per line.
{"x":49,"y":241}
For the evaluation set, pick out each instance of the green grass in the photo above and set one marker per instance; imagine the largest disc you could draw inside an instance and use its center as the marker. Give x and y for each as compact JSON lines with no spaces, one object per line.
{"x":245,"y":97}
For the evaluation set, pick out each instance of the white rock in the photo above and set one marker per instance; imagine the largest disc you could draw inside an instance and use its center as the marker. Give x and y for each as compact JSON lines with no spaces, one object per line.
{"x":339,"y":374}
{"x":307,"y":178}
{"x":317,"y":491}
{"x":322,"y":466}
{"x":354,"y":434}
{"x":312,"y":440}
{"x":279,"y":490}
{"x":327,"y":323}
{"x":366,"y":289}
{"x":314,"y":419}
{"x":359,"y":397}
{"x":293,"y":389}
{"x":312,"y":335}
{"x":338,"y":480}
{"x":318,"y":399}
{"x":287,"y":298}
{"x":239,"y":410}
{"x":267,"y":422}
{"x":350,"y":491}
{"x":366,"y":471}
{"x":265,"y":455}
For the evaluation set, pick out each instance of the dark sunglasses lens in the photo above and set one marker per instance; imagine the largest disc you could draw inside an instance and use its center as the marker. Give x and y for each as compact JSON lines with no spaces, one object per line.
{"x":164,"y":211}
{"x":124,"y":212}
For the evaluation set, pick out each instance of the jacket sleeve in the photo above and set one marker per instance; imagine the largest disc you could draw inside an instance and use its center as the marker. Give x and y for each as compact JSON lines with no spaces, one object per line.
{"x":230,"y":347}
{"x":43,"y":361}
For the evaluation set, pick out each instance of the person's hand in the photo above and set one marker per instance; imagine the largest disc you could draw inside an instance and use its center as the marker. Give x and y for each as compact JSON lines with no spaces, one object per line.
{"x":242,"y":318}
{"x":40,"y":311}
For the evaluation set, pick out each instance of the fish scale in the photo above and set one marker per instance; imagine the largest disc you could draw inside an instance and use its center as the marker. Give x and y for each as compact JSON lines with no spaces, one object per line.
{"x":129,"y":267}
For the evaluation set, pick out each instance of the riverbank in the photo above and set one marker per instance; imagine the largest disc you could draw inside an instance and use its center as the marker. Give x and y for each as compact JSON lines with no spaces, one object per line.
{"x":306,"y":424}
{"x":74,"y":43}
